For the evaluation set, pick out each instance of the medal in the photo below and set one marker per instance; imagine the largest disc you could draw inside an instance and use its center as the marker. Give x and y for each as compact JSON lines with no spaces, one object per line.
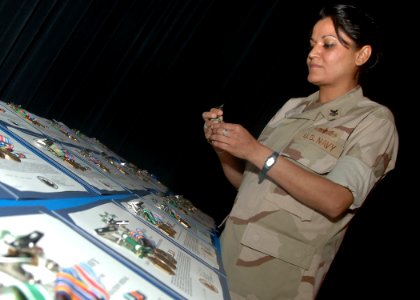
{"x":10,"y":155}
{"x":163,"y":266}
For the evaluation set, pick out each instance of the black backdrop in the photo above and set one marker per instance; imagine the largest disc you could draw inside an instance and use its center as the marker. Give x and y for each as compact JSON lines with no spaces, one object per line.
{"x":138,"y":74}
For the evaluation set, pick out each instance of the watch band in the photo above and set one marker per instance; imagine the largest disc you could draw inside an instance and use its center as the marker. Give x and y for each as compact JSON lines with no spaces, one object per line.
{"x":269,"y":162}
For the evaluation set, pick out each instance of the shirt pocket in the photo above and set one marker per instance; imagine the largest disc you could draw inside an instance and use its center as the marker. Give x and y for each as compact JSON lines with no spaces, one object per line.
{"x":287,"y":203}
{"x":264,"y":241}
{"x":317,"y":148}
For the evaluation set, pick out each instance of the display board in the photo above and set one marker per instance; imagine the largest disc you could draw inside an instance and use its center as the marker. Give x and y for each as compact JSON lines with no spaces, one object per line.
{"x":71,"y":210}
{"x":126,"y":236}
{"x":35,"y":260}
{"x":26,"y":175}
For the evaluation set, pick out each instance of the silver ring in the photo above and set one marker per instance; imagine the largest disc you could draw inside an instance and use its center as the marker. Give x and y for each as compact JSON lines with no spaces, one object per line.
{"x":205,"y":125}
{"x":225,"y":132}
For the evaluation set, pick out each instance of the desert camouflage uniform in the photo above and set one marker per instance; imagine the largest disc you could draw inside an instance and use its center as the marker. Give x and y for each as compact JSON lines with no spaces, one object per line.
{"x":274,"y":247}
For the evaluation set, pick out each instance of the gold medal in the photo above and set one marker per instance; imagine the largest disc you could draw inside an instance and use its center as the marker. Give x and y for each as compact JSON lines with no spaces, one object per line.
{"x":163,"y":260}
{"x":163,"y":266}
{"x":70,"y":162}
{"x":75,"y":164}
{"x":103,"y":168}
{"x":166,"y":257}
{"x":183,"y":222}
{"x":121,"y":170}
{"x":166,"y":229}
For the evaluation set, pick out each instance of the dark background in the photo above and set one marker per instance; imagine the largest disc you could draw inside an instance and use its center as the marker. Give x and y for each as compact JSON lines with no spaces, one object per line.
{"x":138,"y":74}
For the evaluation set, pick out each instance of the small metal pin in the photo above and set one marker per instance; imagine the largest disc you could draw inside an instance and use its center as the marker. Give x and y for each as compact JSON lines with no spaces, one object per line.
{"x":333,"y":112}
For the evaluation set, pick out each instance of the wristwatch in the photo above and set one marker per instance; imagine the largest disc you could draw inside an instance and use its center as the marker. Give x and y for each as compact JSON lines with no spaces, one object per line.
{"x":269,"y":162}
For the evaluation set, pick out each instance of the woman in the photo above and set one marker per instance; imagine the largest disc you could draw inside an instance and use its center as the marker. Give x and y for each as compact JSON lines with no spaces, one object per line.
{"x":311,"y":168}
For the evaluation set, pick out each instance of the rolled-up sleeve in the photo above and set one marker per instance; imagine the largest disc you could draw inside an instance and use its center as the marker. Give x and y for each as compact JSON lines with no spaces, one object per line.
{"x":370,"y":154}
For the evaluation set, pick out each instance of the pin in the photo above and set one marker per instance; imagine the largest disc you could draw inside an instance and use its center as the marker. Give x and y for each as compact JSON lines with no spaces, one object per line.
{"x":333,"y":112}
{"x":106,"y":229}
{"x":24,"y":251}
{"x":134,"y":246}
{"x":118,"y":222}
{"x":109,"y":232}
{"x":27,"y":241}
{"x":44,"y":142}
{"x":148,"y":215}
{"x":136,"y":206}
{"x":218,"y":119}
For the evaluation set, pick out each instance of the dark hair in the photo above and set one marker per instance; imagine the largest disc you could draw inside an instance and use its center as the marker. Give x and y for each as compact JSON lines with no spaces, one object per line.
{"x":359,"y":26}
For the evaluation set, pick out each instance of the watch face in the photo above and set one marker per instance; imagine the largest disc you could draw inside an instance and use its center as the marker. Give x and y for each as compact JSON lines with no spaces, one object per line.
{"x":270,"y":161}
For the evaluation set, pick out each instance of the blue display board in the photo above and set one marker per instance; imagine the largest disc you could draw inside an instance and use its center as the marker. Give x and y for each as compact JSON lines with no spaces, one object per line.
{"x":67,"y":199}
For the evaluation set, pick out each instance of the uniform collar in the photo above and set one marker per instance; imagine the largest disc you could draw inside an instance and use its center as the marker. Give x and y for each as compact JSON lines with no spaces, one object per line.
{"x":331,"y":110}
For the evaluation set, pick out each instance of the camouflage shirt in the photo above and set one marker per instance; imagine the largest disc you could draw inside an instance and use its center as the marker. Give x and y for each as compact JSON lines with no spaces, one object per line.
{"x":273,"y":246}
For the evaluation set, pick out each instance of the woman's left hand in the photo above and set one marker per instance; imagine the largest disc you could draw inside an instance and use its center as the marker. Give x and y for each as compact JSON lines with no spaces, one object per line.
{"x":233,"y":138}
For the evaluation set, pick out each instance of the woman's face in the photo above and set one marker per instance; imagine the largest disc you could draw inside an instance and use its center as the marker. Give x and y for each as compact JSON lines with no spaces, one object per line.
{"x":330,"y":63}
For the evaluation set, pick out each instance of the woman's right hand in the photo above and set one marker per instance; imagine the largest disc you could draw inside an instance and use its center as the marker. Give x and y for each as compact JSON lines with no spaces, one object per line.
{"x":214,"y":115}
